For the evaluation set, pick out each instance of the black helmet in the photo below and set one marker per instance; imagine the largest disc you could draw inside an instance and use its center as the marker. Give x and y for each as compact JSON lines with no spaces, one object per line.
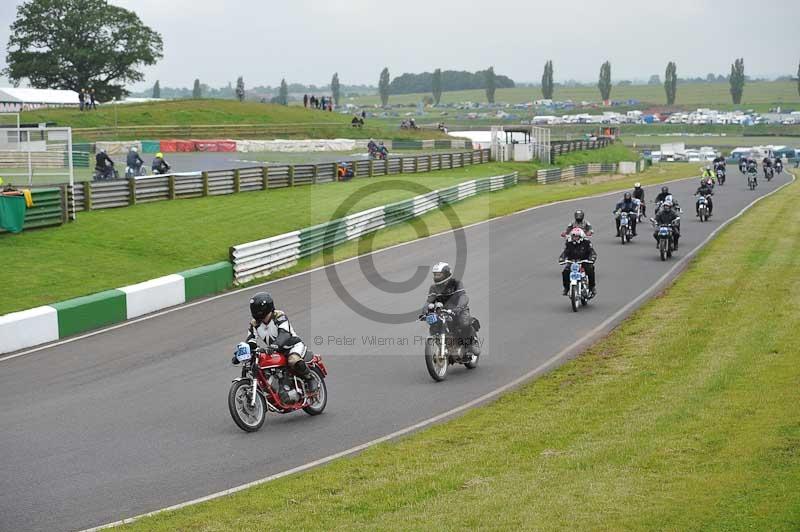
{"x":579,"y":216}
{"x":261,"y":305}
{"x":665,"y":190}
{"x":627,"y":196}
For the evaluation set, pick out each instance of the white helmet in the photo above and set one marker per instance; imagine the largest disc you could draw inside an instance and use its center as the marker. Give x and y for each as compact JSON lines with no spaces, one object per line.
{"x":441,"y":272}
{"x":134,"y":149}
{"x":637,"y":185}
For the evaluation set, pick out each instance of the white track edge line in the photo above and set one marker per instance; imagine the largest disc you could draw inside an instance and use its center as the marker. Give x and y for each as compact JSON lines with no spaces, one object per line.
{"x":313,"y":270}
{"x":590,"y":336}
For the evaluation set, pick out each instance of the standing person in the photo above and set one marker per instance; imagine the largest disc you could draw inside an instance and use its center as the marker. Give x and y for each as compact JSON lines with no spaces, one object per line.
{"x":92,"y":100}
{"x":305,"y":101}
{"x":363,"y":115}
{"x":82,"y":98}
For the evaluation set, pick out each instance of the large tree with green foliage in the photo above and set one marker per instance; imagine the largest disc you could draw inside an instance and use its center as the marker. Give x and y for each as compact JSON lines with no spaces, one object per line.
{"x":383,"y":86}
{"x":604,"y":83}
{"x":240,"y":88}
{"x":491,"y":84}
{"x":335,"y":89}
{"x":737,"y":80}
{"x":547,"y":81}
{"x":197,"y":91}
{"x":77,"y":44}
{"x":283,"y":93}
{"x":157,"y":90}
{"x":671,"y":82}
{"x":436,"y":85}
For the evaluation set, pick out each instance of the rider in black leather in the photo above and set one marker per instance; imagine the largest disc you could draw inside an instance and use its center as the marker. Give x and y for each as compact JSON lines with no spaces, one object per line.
{"x":450,"y":292}
{"x":578,"y":247}
{"x":626,"y":205}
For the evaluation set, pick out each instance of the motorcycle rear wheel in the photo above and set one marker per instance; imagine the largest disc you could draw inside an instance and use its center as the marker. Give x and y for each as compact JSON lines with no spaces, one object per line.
{"x":316,"y":408}
{"x":247,"y":418}
{"x":437,"y":366}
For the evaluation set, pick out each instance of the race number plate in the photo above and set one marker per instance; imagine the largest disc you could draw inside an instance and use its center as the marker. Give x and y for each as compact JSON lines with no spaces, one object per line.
{"x":243,"y":353}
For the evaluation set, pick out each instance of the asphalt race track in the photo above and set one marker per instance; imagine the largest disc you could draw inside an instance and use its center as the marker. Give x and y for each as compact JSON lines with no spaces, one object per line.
{"x":136,"y":418}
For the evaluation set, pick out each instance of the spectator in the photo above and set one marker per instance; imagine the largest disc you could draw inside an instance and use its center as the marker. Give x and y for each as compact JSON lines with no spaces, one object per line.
{"x":82,"y":98}
{"x":305,"y":101}
{"x":92,"y":100}
{"x":363,"y":115}
{"x":355,"y":122}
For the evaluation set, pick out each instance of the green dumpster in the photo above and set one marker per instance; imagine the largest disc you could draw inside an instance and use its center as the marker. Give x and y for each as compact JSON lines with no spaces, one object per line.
{"x":12,"y":213}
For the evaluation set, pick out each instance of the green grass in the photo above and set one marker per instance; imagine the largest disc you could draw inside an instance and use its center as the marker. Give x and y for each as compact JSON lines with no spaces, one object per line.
{"x":683,"y":418}
{"x":134,"y":244}
{"x":722,"y":142}
{"x":688,"y":94}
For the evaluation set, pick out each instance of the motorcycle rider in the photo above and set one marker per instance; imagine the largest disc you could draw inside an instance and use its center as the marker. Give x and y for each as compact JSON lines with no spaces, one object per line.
{"x":707,"y":191}
{"x":778,"y":164}
{"x":707,"y":172}
{"x":751,"y":165}
{"x":450,"y":292}
{"x":159,"y":165}
{"x":104,"y":166}
{"x":638,"y":193}
{"x":274,"y":328}
{"x":766,"y":164}
{"x":578,"y":247}
{"x":134,"y":162}
{"x":626,"y":205}
{"x":719,"y":162}
{"x":666,"y":216}
{"x":580,"y":222}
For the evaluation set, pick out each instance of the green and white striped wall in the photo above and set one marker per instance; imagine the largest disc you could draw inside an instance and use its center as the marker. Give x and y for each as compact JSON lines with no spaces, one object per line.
{"x":48,"y":323}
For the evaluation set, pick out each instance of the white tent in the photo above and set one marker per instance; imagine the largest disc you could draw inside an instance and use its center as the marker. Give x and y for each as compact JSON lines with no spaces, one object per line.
{"x":15,"y":100}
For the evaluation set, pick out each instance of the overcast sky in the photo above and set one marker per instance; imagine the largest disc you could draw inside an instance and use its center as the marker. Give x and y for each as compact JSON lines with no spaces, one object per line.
{"x":306,"y":41}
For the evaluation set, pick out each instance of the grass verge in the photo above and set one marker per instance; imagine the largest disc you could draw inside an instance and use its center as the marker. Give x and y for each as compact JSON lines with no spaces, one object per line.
{"x":683,"y":418}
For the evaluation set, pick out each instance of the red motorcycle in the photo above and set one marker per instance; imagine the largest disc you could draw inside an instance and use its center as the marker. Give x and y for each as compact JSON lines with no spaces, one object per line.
{"x":268,"y":384}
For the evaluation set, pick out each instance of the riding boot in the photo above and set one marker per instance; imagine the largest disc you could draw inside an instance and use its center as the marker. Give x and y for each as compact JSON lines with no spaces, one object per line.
{"x":300,"y":368}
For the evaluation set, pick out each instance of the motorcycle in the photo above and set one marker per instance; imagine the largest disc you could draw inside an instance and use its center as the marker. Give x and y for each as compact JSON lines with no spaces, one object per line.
{"x":752,"y":179}
{"x":778,"y":167}
{"x":702,"y":208}
{"x":109,"y":172}
{"x":381,"y":154}
{"x":578,"y":292}
{"x":442,"y":347}
{"x":769,"y":173}
{"x":721,"y":176}
{"x":640,"y":209}
{"x":666,"y":242}
{"x":135,"y":172}
{"x":625,"y":229}
{"x":267,"y":384}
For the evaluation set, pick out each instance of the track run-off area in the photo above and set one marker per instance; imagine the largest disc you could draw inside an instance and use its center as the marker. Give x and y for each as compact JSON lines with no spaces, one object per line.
{"x":135,"y":418}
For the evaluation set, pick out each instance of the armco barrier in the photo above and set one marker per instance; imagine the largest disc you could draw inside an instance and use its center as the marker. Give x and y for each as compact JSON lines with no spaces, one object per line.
{"x":262,"y":257}
{"x":28,"y":328}
{"x":555,"y":175}
{"x":93,"y":195}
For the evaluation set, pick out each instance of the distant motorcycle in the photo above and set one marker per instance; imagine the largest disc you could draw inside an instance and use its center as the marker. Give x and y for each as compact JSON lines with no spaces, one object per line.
{"x":268,"y":384}
{"x":442,"y":347}
{"x":135,"y":172}
{"x":579,"y":294}
{"x":625,"y":229}
{"x":702,"y":208}
{"x":666,"y":240}
{"x":105,"y":174}
{"x":721,"y":176}
{"x":769,"y":173}
{"x":752,"y":179}
{"x":778,"y":166}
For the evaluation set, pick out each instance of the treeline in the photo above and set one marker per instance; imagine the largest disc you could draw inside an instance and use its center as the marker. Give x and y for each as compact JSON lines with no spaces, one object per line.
{"x":452,"y":80}
{"x":259,"y":91}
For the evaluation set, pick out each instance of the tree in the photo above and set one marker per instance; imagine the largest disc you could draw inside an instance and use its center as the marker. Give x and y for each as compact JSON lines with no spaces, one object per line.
{"x":737,"y":80}
{"x":547,"y":81}
{"x":671,"y":82}
{"x":77,"y":44}
{"x":157,"y":90}
{"x":655,"y":79}
{"x":383,"y":86}
{"x":283,"y":93}
{"x":491,"y":84}
{"x":604,"y":83}
{"x":197,"y":92}
{"x":240,"y":89}
{"x":436,"y":85}
{"x":335,"y":88}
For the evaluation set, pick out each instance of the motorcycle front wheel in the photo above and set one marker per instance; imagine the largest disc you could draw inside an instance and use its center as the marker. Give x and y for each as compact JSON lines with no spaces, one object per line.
{"x":316,"y":408}
{"x":575,"y":297}
{"x":662,"y":248}
{"x":436,"y":364}
{"x":248,"y":418}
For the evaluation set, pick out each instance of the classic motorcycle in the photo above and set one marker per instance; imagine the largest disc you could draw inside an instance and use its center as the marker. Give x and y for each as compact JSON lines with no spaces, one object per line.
{"x":769,"y":173}
{"x":268,"y":384}
{"x":752,"y":179}
{"x":666,"y":242}
{"x":578,"y":292}
{"x":778,"y":166}
{"x":625,"y":229}
{"x":721,"y":176}
{"x":702,"y":208}
{"x":442,"y":347}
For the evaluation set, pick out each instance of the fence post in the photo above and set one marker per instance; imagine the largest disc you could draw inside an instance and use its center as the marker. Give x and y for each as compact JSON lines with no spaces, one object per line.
{"x":132,"y":191}
{"x":402,"y":164}
{"x":264,"y":177}
{"x":205,"y":183}
{"x":430,"y":162}
{"x":336,"y":170}
{"x":371,"y":169}
{"x":315,"y":174}
{"x":291,"y":175}
{"x":416,"y":164}
{"x":64,"y":204}
{"x":171,"y":187}
{"x":237,"y":181}
{"x":87,"y":196}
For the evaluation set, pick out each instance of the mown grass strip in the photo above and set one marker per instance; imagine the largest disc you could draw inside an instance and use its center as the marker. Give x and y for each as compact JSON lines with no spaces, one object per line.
{"x":684,"y":418}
